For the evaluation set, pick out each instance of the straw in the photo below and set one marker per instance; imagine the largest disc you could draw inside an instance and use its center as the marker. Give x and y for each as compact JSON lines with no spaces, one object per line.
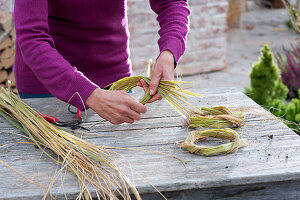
{"x":215,"y":117}
{"x":94,"y":166}
{"x":224,"y":134}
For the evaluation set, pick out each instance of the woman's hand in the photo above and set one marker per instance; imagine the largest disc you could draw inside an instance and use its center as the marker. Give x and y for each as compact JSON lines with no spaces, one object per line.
{"x":115,"y":106}
{"x":163,"y":70}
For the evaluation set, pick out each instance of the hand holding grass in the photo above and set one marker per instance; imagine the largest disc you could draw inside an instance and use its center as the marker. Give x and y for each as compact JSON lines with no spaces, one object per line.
{"x":163,"y":70}
{"x":115,"y":106}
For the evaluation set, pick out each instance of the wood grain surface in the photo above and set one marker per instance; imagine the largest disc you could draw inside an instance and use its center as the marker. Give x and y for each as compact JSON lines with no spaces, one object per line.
{"x":267,"y":168}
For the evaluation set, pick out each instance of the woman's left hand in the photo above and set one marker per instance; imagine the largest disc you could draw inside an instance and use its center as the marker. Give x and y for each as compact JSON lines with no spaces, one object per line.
{"x":163,"y":70}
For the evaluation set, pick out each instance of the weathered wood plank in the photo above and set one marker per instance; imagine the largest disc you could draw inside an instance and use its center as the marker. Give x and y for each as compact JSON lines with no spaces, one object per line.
{"x":227,"y":99}
{"x":197,"y":173}
{"x":263,"y":165}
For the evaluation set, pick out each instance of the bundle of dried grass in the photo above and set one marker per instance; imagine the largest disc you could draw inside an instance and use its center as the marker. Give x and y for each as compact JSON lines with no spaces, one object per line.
{"x":215,"y":117}
{"x":224,"y":134}
{"x":94,"y":166}
{"x":168,"y":89}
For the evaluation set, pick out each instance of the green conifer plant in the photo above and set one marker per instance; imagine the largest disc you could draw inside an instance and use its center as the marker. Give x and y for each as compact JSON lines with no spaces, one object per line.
{"x":268,"y":90}
{"x":266,"y":84}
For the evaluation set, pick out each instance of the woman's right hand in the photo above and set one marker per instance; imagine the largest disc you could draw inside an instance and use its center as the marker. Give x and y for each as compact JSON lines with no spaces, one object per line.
{"x":115,"y":106}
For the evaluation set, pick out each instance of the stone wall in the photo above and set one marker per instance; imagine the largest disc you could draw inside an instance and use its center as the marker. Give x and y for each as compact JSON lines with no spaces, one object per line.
{"x":206,"y":45}
{"x":6,"y":5}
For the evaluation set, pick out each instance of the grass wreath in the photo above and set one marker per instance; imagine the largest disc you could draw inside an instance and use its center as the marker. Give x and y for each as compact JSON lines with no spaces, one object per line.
{"x":224,"y":134}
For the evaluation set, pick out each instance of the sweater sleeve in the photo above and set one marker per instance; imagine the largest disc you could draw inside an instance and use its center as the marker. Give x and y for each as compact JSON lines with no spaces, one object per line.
{"x":38,"y":51}
{"x":173,"y":18}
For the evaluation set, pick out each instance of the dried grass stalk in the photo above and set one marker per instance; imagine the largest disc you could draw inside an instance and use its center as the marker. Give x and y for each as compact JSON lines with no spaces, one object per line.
{"x":224,"y":134}
{"x":215,"y":117}
{"x":293,"y":11}
{"x":168,"y":89}
{"x":94,"y":166}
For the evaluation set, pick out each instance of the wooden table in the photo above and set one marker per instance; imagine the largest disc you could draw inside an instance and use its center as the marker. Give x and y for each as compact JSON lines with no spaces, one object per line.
{"x":267,"y":168}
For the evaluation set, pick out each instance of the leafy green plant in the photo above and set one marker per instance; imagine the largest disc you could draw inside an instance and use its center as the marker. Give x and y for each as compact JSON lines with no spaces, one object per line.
{"x":268,"y":90}
{"x":289,"y":112}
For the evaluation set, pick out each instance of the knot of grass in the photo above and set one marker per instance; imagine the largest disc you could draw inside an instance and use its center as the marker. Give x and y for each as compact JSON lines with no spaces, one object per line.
{"x":224,"y":134}
{"x":128,"y":83}
{"x":168,"y":89}
{"x":215,"y":117}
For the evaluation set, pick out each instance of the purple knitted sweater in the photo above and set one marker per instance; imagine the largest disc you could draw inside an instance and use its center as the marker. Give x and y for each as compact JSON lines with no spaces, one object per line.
{"x":67,"y":47}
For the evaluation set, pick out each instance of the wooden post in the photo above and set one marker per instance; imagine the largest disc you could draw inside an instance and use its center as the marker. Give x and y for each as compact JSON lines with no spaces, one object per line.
{"x":235,"y":9}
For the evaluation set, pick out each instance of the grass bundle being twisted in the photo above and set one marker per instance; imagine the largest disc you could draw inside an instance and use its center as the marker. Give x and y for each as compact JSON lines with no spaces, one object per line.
{"x":215,"y":117}
{"x":224,"y":134}
{"x":168,"y":89}
{"x":94,"y":166}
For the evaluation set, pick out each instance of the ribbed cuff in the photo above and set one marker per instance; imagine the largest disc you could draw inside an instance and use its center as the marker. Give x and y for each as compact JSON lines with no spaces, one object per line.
{"x":173,"y":45}
{"x":79,"y":92}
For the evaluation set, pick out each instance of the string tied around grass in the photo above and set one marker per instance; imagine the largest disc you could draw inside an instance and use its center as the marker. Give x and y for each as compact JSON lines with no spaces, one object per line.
{"x":223,"y":134}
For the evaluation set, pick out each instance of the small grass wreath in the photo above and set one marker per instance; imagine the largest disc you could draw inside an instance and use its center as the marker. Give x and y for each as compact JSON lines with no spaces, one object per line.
{"x":215,"y":117}
{"x":224,"y":134}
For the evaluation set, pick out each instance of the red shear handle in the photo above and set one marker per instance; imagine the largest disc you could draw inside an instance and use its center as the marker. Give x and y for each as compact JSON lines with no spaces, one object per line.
{"x":49,"y":118}
{"x":78,"y":114}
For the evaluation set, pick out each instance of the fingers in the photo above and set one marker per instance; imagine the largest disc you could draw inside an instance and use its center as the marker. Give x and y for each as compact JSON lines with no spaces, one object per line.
{"x":137,"y":107}
{"x":156,"y":76}
{"x":119,"y":119}
{"x":163,"y":70}
{"x":121,"y":115}
{"x":122,"y":119}
{"x":116,"y":106}
{"x":143,"y":84}
{"x":130,"y":111}
{"x":155,"y":98}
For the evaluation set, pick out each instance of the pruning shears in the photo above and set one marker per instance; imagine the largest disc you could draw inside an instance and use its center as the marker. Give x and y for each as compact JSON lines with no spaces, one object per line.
{"x":75,"y":124}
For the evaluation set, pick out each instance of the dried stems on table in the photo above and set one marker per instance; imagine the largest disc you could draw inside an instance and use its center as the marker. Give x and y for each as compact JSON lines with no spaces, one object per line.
{"x":214,"y":117}
{"x":94,"y":166}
